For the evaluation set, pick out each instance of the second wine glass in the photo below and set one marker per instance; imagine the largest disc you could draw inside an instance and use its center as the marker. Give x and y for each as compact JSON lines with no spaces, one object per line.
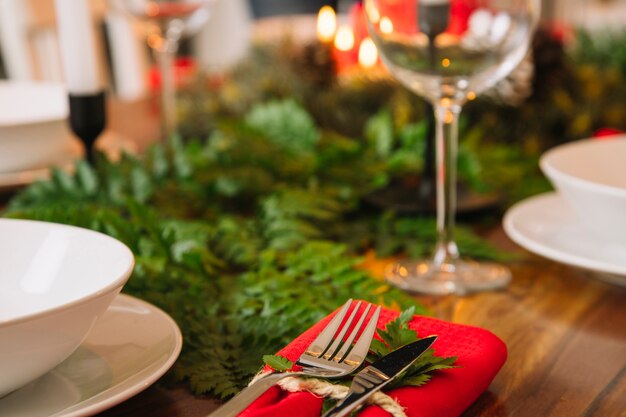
{"x":168,"y":21}
{"x":448,"y":51}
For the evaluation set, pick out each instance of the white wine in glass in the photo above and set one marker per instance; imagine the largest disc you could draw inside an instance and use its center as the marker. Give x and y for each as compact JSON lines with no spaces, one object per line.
{"x":448,"y":51}
{"x":168,"y":21}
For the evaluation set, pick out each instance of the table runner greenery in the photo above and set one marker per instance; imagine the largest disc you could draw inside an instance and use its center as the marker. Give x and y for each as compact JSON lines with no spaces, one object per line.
{"x":578,"y":87}
{"x":245,"y":244}
{"x":249,"y":229}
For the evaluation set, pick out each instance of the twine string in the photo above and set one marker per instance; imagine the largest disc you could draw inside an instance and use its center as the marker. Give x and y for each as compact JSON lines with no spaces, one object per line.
{"x":325,"y":389}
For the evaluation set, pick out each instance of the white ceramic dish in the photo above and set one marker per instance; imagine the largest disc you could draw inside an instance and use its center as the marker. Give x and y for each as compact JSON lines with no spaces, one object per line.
{"x":547,"y":226}
{"x":112,"y":144}
{"x":64,"y":159}
{"x":128,"y":349}
{"x":33,"y":124}
{"x":55,"y":281}
{"x":591,"y":176}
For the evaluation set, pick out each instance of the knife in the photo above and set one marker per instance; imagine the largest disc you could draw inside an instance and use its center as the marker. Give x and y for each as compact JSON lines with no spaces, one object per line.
{"x":375,"y":376}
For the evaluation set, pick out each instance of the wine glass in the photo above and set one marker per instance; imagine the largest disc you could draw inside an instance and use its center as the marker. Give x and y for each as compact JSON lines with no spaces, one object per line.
{"x":168,"y":21}
{"x":448,"y":51}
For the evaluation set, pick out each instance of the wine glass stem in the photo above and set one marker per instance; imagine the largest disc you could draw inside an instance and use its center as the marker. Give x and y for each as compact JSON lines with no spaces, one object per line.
{"x":447,"y":117}
{"x":165,"y":56}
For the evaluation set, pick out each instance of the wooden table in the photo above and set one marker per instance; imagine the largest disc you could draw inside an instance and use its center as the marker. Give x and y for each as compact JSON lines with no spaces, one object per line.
{"x":565,"y":331}
{"x":566,"y":335}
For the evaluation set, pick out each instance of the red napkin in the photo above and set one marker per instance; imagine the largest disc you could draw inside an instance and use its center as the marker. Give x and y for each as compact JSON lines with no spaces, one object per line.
{"x":480,"y":356}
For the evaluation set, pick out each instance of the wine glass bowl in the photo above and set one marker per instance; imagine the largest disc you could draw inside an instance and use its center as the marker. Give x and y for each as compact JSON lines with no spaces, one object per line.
{"x":168,"y":21}
{"x":448,"y":51}
{"x":451,"y":48}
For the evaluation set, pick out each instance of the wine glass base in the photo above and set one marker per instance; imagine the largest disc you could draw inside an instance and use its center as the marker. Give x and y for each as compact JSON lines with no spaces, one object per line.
{"x":440,"y":279}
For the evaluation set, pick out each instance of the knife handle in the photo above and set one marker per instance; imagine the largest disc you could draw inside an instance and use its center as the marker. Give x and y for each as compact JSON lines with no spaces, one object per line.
{"x":240,"y":401}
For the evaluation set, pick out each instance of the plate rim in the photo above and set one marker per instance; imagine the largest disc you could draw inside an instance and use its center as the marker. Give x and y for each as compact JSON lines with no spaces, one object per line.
{"x":65,"y":161}
{"x":135,"y":386}
{"x":110,"y":142}
{"x":548,"y":251}
{"x":114,"y":394}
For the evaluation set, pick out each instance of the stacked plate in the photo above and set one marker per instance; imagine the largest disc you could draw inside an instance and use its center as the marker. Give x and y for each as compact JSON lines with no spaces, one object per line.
{"x":583,"y":223}
{"x":69,"y":344}
{"x":33,"y":131}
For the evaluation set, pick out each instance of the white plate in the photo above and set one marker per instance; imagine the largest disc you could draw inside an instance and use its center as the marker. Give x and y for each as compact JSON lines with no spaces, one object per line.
{"x":33,"y":123}
{"x":65,"y":158}
{"x":129,"y":348}
{"x":110,"y":143}
{"x":547,"y":226}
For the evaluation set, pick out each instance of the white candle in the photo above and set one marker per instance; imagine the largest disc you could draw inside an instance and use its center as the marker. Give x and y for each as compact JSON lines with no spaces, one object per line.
{"x":77,"y":43}
{"x":13,"y":39}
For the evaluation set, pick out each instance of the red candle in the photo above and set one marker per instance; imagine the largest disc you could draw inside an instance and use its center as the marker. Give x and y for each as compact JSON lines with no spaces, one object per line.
{"x":404,"y":15}
{"x":345,"y":51}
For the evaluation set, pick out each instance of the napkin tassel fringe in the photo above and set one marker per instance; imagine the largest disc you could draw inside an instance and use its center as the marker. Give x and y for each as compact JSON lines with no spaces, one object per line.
{"x":325,"y":389}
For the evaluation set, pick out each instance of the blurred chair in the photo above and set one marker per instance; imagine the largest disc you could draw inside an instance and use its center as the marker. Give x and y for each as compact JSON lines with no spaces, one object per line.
{"x":128,"y":55}
{"x":225,"y":38}
{"x":593,"y":15}
{"x":30,"y":49}
{"x":28,"y":40}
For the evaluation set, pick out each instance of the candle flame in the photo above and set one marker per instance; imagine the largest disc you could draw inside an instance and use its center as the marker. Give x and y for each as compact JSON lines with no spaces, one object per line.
{"x":386,"y":25}
{"x":326,"y":24}
{"x":368,"y":54}
{"x":344,"y":41}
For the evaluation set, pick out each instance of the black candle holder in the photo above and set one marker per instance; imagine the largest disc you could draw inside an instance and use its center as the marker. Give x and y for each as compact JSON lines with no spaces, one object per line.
{"x":88,"y":119}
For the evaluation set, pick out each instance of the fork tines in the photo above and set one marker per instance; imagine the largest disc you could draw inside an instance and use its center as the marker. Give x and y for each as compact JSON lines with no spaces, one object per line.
{"x":330,"y":344}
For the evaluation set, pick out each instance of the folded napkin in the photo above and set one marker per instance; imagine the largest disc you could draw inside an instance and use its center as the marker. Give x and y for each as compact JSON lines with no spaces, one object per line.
{"x":480,"y":356}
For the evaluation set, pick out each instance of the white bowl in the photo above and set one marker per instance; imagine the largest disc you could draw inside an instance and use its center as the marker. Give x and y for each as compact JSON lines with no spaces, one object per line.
{"x":590,"y":174}
{"x":55,"y":281}
{"x":33,"y":124}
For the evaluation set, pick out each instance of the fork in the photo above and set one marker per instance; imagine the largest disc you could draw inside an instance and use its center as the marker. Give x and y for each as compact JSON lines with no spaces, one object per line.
{"x":328,"y":356}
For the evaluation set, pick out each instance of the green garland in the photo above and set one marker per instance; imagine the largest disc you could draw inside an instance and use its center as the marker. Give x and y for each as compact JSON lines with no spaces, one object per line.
{"x":576,"y":91}
{"x":245,"y":240}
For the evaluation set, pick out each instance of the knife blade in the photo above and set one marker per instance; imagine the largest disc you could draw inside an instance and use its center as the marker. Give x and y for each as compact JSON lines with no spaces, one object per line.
{"x":380,"y":373}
